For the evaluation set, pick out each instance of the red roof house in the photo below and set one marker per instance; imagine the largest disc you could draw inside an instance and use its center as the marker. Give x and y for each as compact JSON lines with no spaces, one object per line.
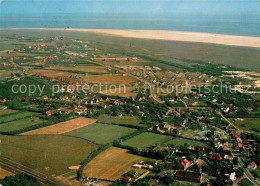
{"x":48,"y":113}
{"x":75,"y":107}
{"x":215,"y":157}
{"x":185,"y":163}
{"x":224,"y":148}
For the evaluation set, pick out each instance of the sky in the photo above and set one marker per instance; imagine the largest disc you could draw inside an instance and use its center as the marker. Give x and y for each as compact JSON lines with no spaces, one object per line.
{"x":236,"y":17}
{"x":27,"y":7}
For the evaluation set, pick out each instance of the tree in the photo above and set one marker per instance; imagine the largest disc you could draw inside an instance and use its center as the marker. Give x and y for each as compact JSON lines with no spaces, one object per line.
{"x":235,"y":160}
{"x":239,"y":172}
{"x":167,"y":179}
{"x":19,"y":180}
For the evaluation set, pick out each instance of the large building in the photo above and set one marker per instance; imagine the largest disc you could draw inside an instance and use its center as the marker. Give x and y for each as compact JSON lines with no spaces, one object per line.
{"x":188,"y":176}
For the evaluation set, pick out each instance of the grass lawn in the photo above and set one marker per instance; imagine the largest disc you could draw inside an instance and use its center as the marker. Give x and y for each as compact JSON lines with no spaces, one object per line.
{"x":101,"y":133}
{"x":146,"y":140}
{"x":47,"y":154}
{"x":245,"y":182}
{"x":16,"y":116}
{"x":181,"y":141}
{"x":19,"y":124}
{"x":7,"y":111}
{"x":111,"y":164}
{"x":124,"y":120}
{"x":249,"y":123}
{"x":189,"y":133}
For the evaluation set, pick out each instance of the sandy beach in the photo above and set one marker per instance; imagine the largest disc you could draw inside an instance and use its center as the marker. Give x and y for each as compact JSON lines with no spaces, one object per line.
{"x":245,"y":41}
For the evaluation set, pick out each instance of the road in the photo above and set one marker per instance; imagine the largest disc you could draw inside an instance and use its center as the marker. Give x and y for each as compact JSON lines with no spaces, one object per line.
{"x":142,"y":176}
{"x":247,"y":173}
{"x":232,"y":124}
{"x":152,"y":89}
{"x":18,"y":168}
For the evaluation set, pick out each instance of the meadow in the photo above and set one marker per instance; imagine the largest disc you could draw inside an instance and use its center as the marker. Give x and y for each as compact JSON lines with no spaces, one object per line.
{"x":16,"y":116}
{"x":124,"y":120}
{"x":101,"y":133}
{"x":249,"y":123}
{"x":51,"y":155}
{"x":146,"y":140}
{"x":7,"y":111}
{"x":111,"y":164}
{"x":19,"y":124}
{"x":181,"y":141}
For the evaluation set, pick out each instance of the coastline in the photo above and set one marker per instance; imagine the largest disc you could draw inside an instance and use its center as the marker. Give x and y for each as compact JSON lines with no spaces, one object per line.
{"x":232,"y":40}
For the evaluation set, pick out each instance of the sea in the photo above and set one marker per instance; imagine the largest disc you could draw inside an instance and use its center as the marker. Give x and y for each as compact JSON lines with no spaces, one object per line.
{"x":230,"y":24}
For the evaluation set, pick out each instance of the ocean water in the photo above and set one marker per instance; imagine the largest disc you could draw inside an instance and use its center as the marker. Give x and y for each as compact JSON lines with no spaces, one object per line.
{"x":248,"y":25}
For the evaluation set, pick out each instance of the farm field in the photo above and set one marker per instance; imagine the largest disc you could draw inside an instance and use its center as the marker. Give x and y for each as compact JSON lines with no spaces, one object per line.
{"x":181,"y":141}
{"x":101,"y":133}
{"x":120,"y":91}
{"x":249,"y":123}
{"x":62,"y":127}
{"x":4,"y":173}
{"x":16,"y":116}
{"x":7,"y":111}
{"x":146,"y":140}
{"x":124,"y":120}
{"x":47,"y":154}
{"x":50,"y":73}
{"x":110,"y":79}
{"x":19,"y":124}
{"x":89,"y":69}
{"x":111,"y":164}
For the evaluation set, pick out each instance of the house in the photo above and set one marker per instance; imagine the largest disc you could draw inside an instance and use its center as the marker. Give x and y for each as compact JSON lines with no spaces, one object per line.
{"x":183,"y":109}
{"x":70,"y":88}
{"x":14,"y":65}
{"x":232,"y":176}
{"x":219,"y":133}
{"x":252,"y":165}
{"x":188,"y":176}
{"x":185,"y":163}
{"x":224,"y":148}
{"x":45,"y":97}
{"x":75,"y":107}
{"x":66,"y":96}
{"x":215,"y":156}
{"x":249,"y":108}
{"x":197,"y":148}
{"x":128,"y":178}
{"x":3,"y":100}
{"x":48,"y":113}
{"x":48,"y":105}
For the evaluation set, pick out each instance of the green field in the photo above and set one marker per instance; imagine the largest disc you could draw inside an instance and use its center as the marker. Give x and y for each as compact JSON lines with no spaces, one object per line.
{"x":7,"y":111}
{"x":249,"y":123}
{"x":16,"y":116}
{"x":146,"y":140}
{"x":19,"y":124}
{"x":47,"y":154}
{"x":124,"y":120}
{"x":101,"y":133}
{"x":181,"y":141}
